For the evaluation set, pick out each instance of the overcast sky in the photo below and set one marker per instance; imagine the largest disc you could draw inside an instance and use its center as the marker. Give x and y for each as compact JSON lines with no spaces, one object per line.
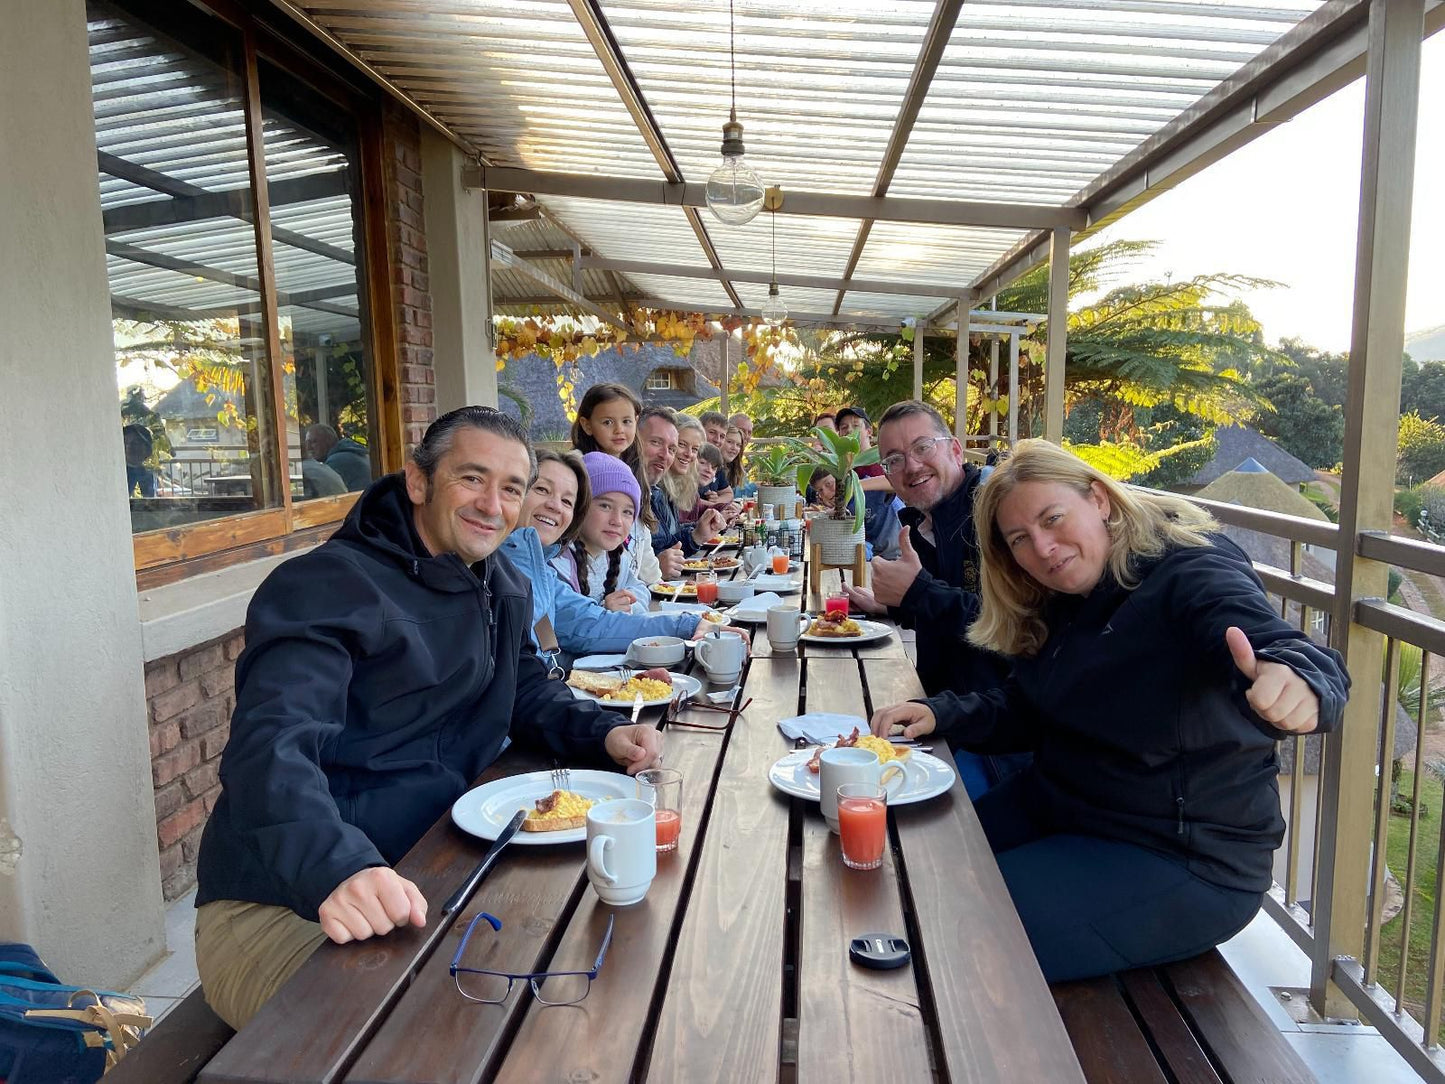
{"x":1285,"y":208}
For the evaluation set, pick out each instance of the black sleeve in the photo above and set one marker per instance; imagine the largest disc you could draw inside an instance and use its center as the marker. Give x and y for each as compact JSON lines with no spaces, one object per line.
{"x":932,"y":603}
{"x":662,"y":538}
{"x":1214,"y":587}
{"x":998,"y":720}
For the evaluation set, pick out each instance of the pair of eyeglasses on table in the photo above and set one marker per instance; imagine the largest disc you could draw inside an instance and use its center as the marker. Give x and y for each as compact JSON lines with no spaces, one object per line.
{"x":675,"y":708}
{"x":549,"y":987}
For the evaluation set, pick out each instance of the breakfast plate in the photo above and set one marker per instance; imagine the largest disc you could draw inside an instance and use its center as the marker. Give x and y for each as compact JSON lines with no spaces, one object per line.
{"x":682,"y":686}
{"x":485,"y":810}
{"x":924,"y":776}
{"x":871,"y":630}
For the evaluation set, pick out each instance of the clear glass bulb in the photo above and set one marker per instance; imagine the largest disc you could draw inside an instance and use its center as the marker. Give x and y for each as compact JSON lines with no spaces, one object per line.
{"x":774,"y":311}
{"x":734,"y":192}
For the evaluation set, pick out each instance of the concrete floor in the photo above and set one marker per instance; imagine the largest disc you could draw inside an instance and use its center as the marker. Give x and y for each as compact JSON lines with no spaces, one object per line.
{"x":175,"y":976}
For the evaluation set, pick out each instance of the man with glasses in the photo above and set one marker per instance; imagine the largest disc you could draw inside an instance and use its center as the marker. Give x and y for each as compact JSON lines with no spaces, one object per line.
{"x":933,"y":585}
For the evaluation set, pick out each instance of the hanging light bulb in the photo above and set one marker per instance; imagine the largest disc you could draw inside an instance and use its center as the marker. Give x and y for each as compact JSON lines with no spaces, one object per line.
{"x":774,"y":311}
{"x":734,"y":191}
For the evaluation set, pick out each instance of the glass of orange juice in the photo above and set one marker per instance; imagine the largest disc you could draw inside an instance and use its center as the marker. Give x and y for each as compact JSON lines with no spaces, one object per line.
{"x":780,"y":563}
{"x":707,"y":587}
{"x":862,"y":824}
{"x":662,"y":787}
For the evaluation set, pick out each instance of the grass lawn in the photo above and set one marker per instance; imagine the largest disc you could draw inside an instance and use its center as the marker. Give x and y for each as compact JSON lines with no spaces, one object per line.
{"x":1422,"y":917}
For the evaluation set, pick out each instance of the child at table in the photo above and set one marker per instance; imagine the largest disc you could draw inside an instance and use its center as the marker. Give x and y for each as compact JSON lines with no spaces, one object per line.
{"x":598,"y":563}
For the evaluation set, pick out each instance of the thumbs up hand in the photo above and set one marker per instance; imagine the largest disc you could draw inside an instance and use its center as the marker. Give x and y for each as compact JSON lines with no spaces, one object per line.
{"x":1277,"y":694}
{"x":892,"y":579}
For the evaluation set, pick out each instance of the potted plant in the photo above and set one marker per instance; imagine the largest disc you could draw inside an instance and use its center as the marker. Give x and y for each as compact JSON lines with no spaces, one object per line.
{"x":774,"y":471}
{"x":840,"y":531}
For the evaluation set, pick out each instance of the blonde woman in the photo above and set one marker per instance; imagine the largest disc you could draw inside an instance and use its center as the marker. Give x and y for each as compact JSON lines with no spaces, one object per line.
{"x":1151,"y":679}
{"x":680,"y":480}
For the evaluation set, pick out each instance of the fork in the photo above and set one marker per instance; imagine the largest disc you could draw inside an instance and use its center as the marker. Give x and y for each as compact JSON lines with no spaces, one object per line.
{"x":561,"y":778}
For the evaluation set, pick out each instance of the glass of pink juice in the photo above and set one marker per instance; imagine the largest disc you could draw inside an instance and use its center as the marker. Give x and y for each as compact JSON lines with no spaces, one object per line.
{"x":662,"y":787}
{"x":836,"y":604}
{"x":862,"y":824}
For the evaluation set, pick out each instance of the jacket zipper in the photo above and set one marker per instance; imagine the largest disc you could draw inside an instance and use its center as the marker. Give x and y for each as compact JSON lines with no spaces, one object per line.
{"x":1179,"y":803}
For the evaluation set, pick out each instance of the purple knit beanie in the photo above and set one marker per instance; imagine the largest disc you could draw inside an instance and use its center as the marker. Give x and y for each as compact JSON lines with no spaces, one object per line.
{"x":608,"y":474}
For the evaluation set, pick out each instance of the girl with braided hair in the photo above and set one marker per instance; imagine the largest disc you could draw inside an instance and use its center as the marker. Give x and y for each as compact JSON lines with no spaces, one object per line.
{"x":599,"y":563}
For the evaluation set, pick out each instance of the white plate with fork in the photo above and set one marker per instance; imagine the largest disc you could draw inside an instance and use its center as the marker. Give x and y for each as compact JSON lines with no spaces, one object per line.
{"x":485,"y":810}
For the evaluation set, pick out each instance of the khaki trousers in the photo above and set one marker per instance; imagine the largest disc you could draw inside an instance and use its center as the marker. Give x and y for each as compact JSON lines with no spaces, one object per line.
{"x":246,"y":951}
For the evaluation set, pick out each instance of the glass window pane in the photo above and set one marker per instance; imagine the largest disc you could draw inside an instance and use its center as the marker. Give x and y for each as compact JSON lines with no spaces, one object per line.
{"x":191,"y":368}
{"x":313,"y":181}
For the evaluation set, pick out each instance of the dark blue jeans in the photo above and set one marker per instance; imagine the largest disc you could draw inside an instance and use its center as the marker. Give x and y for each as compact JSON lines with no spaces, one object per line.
{"x":1092,"y":906}
{"x":980,"y":772}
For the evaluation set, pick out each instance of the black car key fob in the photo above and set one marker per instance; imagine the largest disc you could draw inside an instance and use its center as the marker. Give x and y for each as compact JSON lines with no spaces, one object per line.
{"x":880,"y":951}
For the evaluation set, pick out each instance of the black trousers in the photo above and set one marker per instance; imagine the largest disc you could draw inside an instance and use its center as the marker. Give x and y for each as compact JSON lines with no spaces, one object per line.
{"x":1092,"y":906}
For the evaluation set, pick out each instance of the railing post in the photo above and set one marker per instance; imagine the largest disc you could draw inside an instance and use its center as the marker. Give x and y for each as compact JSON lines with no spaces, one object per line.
{"x":960,"y":370}
{"x":1392,"y":91}
{"x":918,"y":361}
{"x":1058,"y":335}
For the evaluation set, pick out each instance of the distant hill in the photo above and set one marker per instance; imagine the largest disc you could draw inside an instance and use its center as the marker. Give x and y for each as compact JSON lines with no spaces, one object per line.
{"x":1427,"y":345}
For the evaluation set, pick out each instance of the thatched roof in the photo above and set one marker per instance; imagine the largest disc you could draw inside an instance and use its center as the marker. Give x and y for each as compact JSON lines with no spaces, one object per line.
{"x":1252,"y":486}
{"x":1236,"y":443}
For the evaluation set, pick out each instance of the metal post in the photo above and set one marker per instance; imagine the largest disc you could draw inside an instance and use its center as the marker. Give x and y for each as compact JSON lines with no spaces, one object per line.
{"x":1013,"y":389}
{"x":1058,"y":335}
{"x":993,"y":385}
{"x":918,"y":361}
{"x":1387,"y":170}
{"x":577,"y":267}
{"x":323,"y":392}
{"x":726,"y":346}
{"x":960,"y":371}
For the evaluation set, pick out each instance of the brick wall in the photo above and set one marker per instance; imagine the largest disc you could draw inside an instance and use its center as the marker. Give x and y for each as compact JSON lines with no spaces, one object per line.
{"x":190,"y":697}
{"x":411,"y":286}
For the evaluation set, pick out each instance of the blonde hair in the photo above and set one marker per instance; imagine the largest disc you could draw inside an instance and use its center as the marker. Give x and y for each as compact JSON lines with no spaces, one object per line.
{"x":682,"y":488}
{"x":1140,"y":525}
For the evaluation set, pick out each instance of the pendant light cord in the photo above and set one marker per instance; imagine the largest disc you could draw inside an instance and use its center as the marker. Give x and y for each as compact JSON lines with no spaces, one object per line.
{"x":732,"y":61}
{"x":775,"y":246}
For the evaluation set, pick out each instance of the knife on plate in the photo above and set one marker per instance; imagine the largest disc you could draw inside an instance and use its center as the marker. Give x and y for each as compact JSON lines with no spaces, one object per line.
{"x":461,"y":895}
{"x":636,"y":707}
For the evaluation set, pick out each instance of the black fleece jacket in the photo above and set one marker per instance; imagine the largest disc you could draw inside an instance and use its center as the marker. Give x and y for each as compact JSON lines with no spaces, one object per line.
{"x":1136,"y":714}
{"x":377,"y":683}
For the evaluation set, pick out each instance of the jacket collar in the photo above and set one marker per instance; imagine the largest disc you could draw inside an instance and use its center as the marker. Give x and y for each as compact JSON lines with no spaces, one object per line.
{"x":950,"y":513}
{"x":383,"y":521}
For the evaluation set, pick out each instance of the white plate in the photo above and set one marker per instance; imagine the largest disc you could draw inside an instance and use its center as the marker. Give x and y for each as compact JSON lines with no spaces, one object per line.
{"x":872,"y":630}
{"x":924,"y":776}
{"x":682,"y":685}
{"x":783,"y":585}
{"x":484,"y":811}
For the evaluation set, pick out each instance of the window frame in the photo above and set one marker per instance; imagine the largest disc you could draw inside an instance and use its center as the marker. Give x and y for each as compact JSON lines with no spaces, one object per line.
{"x":169,"y":554}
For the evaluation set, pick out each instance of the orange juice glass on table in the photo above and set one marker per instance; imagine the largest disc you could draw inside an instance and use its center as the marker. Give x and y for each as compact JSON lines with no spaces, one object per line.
{"x":662,"y":787}
{"x":862,"y":824}
{"x":780,"y":563}
{"x":707,"y":588}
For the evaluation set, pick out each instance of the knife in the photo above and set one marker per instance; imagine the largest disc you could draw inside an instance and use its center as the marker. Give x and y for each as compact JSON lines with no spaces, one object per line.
{"x":461,"y":895}
{"x":636,"y":707}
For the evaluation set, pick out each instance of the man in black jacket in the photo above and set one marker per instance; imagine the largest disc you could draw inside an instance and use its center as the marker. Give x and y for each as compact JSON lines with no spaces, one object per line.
{"x":383,"y":672}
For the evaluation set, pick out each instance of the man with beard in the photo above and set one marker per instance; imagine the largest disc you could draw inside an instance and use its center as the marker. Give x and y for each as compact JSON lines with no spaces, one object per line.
{"x":933,"y":585}
{"x":383,"y":672}
{"x":657,"y":442}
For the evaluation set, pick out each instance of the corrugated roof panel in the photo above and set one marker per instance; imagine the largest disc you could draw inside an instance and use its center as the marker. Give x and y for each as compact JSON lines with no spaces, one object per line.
{"x":887,"y":306}
{"x":807,"y":244}
{"x":632,"y":231}
{"x":706,"y":294}
{"x":950,"y":256}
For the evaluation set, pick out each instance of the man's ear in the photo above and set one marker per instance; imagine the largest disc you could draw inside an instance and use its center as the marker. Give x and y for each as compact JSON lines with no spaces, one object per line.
{"x":415,"y":483}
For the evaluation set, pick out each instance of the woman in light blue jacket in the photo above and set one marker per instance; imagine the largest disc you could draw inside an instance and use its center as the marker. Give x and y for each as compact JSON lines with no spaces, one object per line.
{"x":551,"y":514}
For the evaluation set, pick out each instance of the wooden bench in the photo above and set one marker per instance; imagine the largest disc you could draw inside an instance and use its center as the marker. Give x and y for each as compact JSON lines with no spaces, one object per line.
{"x":176,"y":1049}
{"x":1192,"y":1022}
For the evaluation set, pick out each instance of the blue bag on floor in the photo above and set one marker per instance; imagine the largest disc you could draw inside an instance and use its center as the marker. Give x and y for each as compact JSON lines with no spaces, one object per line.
{"x":51,"y":1033}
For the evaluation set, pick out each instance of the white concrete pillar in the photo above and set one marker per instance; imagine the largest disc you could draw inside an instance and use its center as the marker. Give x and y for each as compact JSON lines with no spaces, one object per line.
{"x":461,"y":291}
{"x":79,"y":867}
{"x":1058,"y":335}
{"x":960,"y":371}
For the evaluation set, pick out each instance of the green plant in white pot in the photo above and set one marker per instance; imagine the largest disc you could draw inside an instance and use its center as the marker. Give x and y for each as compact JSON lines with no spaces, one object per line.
{"x":839,"y":532}
{"x":775,"y":470}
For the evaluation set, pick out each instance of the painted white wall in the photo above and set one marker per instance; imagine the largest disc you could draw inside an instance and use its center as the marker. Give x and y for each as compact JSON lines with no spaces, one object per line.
{"x":456,"y":240}
{"x":75,"y":780}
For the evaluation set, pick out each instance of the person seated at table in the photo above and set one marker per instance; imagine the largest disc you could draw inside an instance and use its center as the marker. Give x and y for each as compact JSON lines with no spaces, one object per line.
{"x":713,"y":490}
{"x":1152,"y":678}
{"x":715,"y":425}
{"x":822,"y":489}
{"x":598,"y":563}
{"x":383,"y":671}
{"x":607,"y":422}
{"x":345,"y":456}
{"x":657,"y":441}
{"x":733,"y":470}
{"x":853,"y":421}
{"x":552,"y":514}
{"x":680,"y":482}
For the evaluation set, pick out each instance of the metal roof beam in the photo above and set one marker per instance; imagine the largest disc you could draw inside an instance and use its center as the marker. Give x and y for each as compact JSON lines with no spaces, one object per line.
{"x":205,"y":204}
{"x":594,"y":24}
{"x":939,"y":212}
{"x":820,"y":282}
{"x":935,"y":40}
{"x":504,"y":257}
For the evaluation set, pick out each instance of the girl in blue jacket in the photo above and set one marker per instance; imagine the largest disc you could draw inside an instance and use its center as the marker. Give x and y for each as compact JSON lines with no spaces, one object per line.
{"x":551,"y":517}
{"x":1151,"y":680}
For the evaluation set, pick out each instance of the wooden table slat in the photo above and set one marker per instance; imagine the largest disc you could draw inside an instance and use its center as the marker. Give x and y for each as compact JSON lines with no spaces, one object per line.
{"x":981,"y":969}
{"x":853,"y":1024}
{"x":721,"y":1019}
{"x":1176,"y":1043}
{"x":1110,"y":1045}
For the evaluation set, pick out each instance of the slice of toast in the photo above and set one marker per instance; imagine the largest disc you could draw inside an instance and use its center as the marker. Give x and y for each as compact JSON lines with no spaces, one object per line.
{"x":557,"y":812}
{"x":596,"y":684}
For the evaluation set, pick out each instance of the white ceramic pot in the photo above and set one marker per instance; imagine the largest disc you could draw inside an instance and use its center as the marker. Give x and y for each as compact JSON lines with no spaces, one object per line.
{"x":772,"y":496}
{"x":836,"y":537}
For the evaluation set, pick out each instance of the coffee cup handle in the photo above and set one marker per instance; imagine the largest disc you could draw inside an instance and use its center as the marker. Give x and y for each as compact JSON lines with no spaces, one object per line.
{"x":898,"y":774}
{"x":597,"y":858}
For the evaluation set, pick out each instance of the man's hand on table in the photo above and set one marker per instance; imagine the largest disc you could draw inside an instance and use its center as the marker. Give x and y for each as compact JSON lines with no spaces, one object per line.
{"x":670,"y":561}
{"x":709,"y":525}
{"x":635,"y":746}
{"x":909,"y":719}
{"x":370,"y":903}
{"x":892,"y":579}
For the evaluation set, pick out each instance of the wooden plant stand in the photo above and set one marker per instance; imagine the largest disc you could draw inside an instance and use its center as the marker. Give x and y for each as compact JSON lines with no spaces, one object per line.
{"x":816,"y":565}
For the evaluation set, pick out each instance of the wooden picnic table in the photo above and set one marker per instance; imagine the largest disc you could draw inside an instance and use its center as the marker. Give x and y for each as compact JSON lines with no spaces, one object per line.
{"x":735,"y":966}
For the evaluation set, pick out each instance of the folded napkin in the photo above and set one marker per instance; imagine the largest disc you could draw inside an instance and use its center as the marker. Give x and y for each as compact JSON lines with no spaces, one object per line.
{"x":683,"y":607}
{"x":821,"y":727}
{"x":767,"y":581}
{"x":757,"y":606}
{"x":599,"y":662}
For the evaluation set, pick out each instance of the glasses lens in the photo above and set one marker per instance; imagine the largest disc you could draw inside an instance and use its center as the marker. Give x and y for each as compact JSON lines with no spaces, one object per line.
{"x":892,"y":463}
{"x":481,"y":986}
{"x":561,"y":989}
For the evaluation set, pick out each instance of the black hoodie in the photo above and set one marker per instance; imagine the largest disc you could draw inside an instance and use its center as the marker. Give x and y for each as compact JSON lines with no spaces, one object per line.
{"x":377,"y":683}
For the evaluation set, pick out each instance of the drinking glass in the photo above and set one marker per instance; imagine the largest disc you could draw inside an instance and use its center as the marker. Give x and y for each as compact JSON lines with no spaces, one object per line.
{"x":862,"y":824}
{"x":663,"y":788}
{"x":780,"y":563}
{"x":836,"y":604}
{"x":707,"y":587}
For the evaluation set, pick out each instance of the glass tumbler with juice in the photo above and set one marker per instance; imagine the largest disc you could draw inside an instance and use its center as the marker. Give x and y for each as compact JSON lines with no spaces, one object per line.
{"x":862,"y":824}
{"x":707,"y":588}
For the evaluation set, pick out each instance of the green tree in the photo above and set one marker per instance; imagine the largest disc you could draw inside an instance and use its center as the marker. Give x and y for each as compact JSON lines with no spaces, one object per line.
{"x":1302,"y":423}
{"x":1421,"y":453}
{"x":1422,"y":389}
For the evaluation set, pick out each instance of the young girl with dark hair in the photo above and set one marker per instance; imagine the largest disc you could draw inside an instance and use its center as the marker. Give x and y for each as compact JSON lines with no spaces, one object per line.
{"x":597,"y":563}
{"x":607,"y":423}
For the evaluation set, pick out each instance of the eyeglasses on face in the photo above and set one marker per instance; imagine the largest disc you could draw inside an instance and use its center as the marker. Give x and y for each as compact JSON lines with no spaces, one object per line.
{"x":549,"y":987}
{"x":919,"y":452}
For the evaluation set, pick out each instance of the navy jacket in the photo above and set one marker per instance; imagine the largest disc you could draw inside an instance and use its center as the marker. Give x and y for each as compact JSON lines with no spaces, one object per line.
{"x":669,"y":530}
{"x":1136,"y":714}
{"x":376,"y":685}
{"x":943,"y":600}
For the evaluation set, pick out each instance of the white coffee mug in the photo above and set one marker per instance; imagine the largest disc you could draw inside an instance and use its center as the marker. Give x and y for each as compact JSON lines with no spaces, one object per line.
{"x":721,"y":655}
{"x":621,"y":850}
{"x":784,"y":626}
{"x":852,"y":765}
